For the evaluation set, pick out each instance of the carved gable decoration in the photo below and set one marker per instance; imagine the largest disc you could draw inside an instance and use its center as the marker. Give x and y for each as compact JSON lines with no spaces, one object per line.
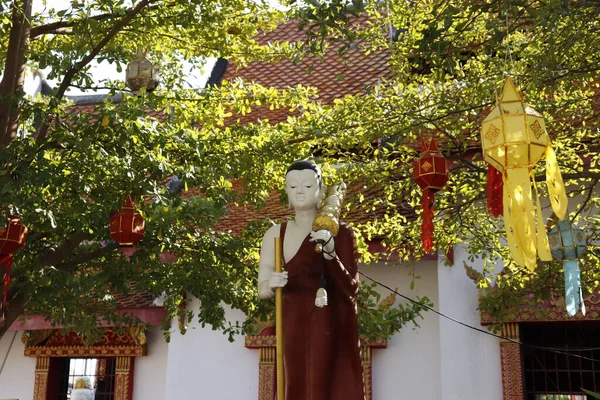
{"x":113,"y":342}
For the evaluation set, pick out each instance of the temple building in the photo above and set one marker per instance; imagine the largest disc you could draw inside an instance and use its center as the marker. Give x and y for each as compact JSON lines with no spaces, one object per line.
{"x":441,"y":359}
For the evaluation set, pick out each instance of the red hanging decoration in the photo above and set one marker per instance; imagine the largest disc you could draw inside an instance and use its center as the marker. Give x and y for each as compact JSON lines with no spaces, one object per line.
{"x":495,"y":203}
{"x":127,"y":225}
{"x":431,"y":172}
{"x":12,"y":239}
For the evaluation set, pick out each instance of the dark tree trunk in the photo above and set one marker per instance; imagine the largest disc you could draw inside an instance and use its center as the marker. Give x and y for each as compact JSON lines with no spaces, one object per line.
{"x":11,"y":86}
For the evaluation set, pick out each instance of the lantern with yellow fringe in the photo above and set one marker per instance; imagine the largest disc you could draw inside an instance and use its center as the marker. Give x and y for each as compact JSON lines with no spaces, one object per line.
{"x":514,"y":139}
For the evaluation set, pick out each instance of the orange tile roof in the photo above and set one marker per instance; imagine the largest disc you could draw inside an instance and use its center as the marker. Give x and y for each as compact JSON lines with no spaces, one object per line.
{"x":89,"y":105}
{"x":135,"y":299}
{"x":334,"y":76}
{"x":359,"y":71}
{"x":238,"y":216}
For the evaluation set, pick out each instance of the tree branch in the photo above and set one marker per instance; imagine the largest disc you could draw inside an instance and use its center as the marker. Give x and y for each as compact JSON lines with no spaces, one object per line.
{"x":70,"y":74}
{"x":16,"y":308}
{"x":575,"y":175}
{"x":61,"y":27}
{"x":88,"y":256}
{"x":14,"y":71}
{"x":587,"y":198}
{"x":55,"y":256}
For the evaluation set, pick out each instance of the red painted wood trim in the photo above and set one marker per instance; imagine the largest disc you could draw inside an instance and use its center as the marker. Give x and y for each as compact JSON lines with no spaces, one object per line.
{"x":153,"y":316}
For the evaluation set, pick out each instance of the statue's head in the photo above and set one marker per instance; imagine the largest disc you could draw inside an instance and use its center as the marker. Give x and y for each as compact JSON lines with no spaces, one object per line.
{"x":304,"y":185}
{"x":83,"y":383}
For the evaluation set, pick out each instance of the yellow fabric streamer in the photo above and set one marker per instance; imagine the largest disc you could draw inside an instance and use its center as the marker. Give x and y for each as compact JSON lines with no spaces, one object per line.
{"x":510,"y":226}
{"x":556,"y":186}
{"x":522,"y":216}
{"x":542,"y":244}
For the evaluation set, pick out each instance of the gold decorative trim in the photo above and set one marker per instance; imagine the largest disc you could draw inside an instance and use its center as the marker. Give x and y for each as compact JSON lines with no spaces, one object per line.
{"x":551,"y":310}
{"x":138,"y":334}
{"x":123,"y":378}
{"x":365,"y":357}
{"x":40,"y":386}
{"x":256,"y":342}
{"x":512,"y":372}
{"x":121,"y":386}
{"x":511,"y":331}
{"x":42,"y":364}
{"x":266,"y":373}
{"x":82,"y":351}
{"x":130,"y":342}
{"x":123,"y":365}
{"x":32,"y":338}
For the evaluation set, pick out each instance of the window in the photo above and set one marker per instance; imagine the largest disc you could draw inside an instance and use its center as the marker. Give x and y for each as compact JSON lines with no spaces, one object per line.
{"x":552,"y":375}
{"x":100,"y":371}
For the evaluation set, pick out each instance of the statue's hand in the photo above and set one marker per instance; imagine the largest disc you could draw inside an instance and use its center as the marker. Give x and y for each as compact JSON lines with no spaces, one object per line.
{"x":277,"y":280}
{"x":324,"y":238}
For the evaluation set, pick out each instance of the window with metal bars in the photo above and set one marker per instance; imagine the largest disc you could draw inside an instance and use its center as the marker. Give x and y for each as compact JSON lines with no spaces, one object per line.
{"x":561,"y":374}
{"x":100,"y":371}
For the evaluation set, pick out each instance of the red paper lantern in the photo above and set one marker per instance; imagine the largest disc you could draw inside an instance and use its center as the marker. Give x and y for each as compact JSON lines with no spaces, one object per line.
{"x":12,"y":239}
{"x":431,"y":172}
{"x":127,"y":225}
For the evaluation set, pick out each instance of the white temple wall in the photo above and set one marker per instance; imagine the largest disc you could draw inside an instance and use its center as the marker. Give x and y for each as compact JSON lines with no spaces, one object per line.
{"x":470,"y":360}
{"x":204,"y":364}
{"x":18,"y":374}
{"x":150,"y":371}
{"x":410,"y":366}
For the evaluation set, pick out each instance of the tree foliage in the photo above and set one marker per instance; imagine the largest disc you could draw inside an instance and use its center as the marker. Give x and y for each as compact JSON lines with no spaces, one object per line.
{"x":66,"y":173}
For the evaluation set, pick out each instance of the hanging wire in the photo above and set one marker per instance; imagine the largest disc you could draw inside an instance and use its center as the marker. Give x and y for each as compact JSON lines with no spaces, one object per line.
{"x":507,"y":53}
{"x":485,"y":331}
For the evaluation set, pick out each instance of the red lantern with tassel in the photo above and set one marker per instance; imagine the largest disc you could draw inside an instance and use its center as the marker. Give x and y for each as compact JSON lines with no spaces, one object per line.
{"x":127,"y":225}
{"x":431,"y":172}
{"x":12,"y":239}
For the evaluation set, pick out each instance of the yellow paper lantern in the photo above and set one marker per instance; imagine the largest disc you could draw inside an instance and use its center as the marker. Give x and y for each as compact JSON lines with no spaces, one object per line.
{"x":514,"y":139}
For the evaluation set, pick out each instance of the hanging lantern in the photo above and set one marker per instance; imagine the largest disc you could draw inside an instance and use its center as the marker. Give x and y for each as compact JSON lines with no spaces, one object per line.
{"x":431,"y":172}
{"x":141,"y":73}
{"x":12,"y":239}
{"x":514,"y":139}
{"x":568,"y":243}
{"x":127,"y":225}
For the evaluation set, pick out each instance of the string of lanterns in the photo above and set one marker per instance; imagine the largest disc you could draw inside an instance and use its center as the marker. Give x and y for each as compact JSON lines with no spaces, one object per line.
{"x":514,"y":140}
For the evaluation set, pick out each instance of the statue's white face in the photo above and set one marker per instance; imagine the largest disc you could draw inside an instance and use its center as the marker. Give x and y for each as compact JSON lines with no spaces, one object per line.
{"x":302,"y":188}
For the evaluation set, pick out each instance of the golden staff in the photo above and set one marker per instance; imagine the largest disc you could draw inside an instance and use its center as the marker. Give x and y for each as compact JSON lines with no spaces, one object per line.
{"x":279,"y":325}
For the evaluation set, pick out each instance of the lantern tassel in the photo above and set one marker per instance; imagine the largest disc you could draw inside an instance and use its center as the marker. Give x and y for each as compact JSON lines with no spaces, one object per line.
{"x":543,"y":247}
{"x":521,"y":216}
{"x":573,"y":292}
{"x":5,"y":265}
{"x":494,"y":191}
{"x":556,"y":186}
{"x":427,"y":220}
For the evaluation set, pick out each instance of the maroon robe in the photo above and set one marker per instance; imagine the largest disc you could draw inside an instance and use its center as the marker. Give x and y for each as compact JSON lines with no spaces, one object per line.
{"x":321,"y":345}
